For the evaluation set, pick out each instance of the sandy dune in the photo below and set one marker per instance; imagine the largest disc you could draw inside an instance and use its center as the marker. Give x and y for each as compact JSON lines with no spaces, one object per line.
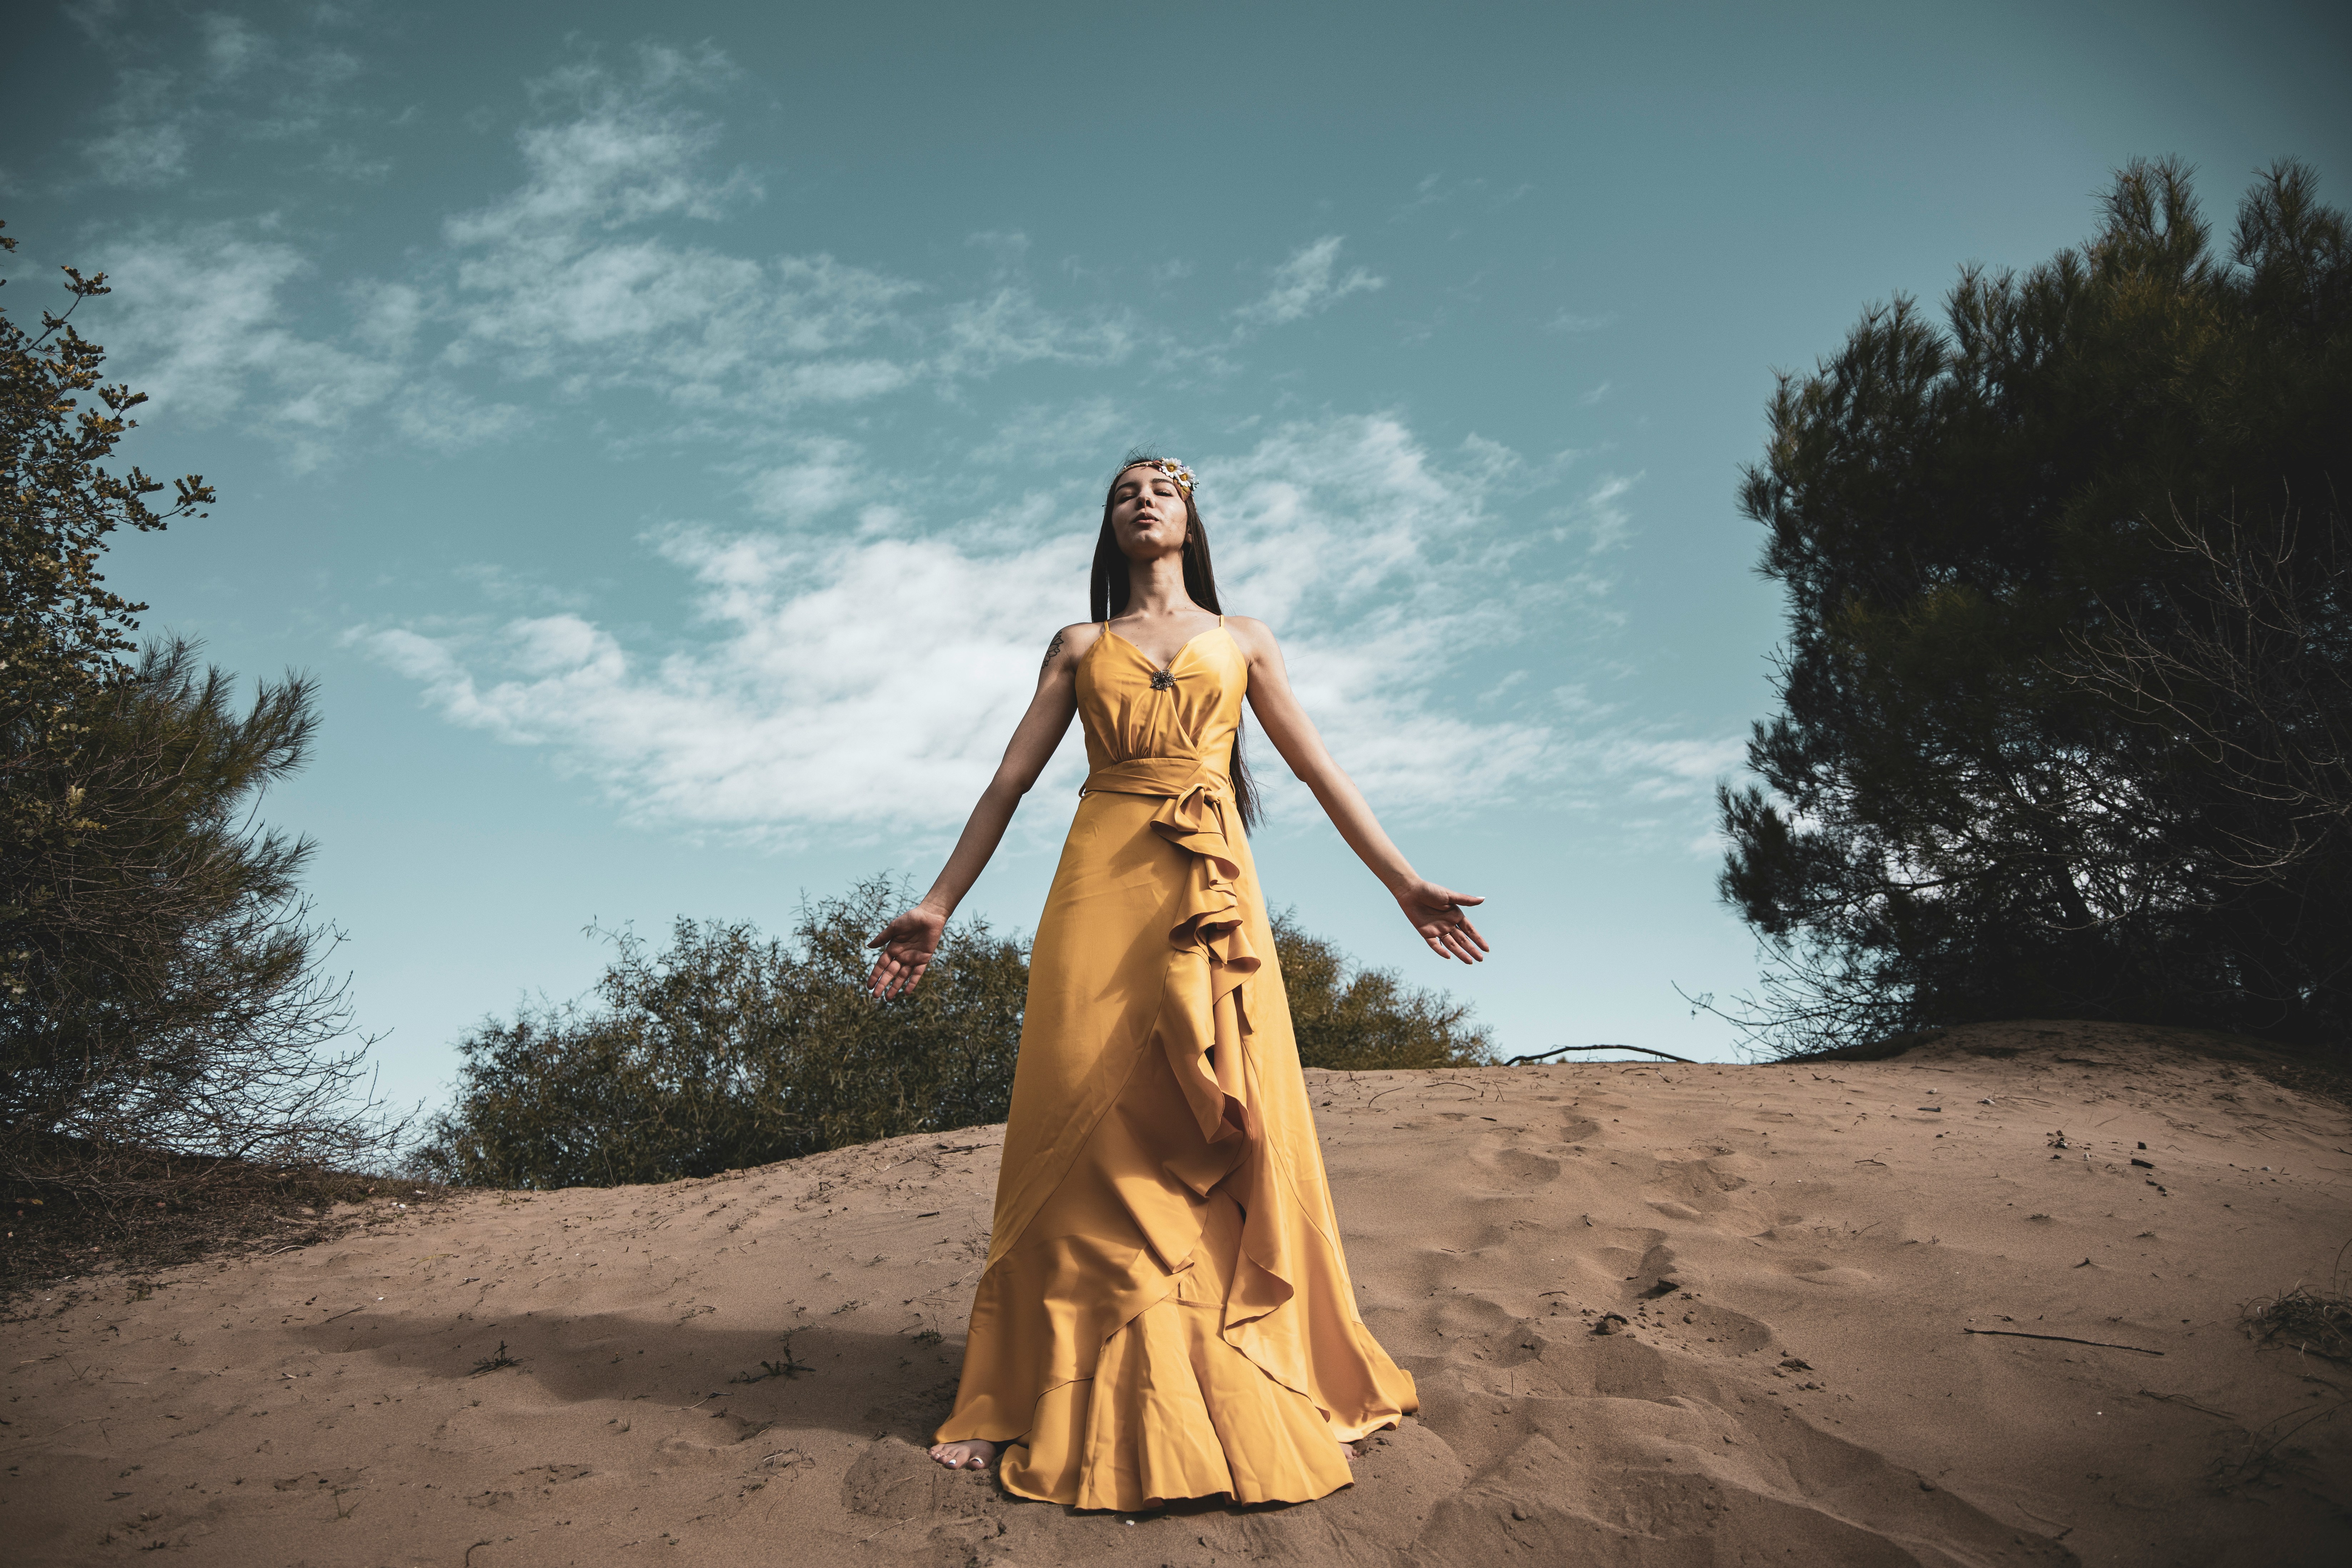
{"x":1798,"y":1254}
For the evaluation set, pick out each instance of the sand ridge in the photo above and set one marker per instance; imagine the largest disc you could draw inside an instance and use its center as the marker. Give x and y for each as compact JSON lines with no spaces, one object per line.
{"x":1787,"y":1259}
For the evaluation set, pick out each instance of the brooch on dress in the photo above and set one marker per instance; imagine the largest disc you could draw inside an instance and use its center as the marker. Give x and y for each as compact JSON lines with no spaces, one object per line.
{"x":1162,"y":680}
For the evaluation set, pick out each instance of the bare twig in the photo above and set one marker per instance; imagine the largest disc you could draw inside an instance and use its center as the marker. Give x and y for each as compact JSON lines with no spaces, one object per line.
{"x":2184,"y":1399}
{"x":2063,"y":1338}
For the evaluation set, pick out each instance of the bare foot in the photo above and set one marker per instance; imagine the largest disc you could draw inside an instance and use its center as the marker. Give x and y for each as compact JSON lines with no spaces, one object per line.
{"x":1352,"y":1452}
{"x":969,"y":1456}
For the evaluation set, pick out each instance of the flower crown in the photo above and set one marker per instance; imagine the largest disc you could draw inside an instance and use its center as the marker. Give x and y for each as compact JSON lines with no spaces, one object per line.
{"x":1174,"y":470}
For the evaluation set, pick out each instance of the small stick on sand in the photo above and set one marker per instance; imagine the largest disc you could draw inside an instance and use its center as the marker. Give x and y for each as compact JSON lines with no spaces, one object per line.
{"x":2062,"y":1339}
{"x":2184,"y":1399}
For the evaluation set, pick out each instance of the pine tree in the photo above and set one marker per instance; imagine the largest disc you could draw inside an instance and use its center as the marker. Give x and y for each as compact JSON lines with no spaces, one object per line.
{"x":160,"y":990}
{"x":2064,"y":698}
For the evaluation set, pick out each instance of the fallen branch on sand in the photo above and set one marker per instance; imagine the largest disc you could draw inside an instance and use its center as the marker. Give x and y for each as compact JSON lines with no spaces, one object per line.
{"x":1558,"y":1050}
{"x":2063,"y":1338}
{"x":2184,"y":1399}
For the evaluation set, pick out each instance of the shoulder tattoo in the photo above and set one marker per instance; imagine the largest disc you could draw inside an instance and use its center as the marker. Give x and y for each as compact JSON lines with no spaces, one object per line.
{"x":1051,"y":649}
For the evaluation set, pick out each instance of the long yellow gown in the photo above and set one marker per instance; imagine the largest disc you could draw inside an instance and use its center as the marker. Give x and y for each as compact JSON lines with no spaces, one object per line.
{"x":1166,"y":1311}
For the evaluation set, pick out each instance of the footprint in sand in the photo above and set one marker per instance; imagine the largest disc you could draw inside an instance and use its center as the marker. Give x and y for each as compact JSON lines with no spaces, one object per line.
{"x":1524,"y":1169}
{"x":1815,"y":1273}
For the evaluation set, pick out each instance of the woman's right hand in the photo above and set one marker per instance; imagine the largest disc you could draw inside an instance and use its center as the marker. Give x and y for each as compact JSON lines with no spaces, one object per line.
{"x":908,"y":944}
{"x":1441,"y":916}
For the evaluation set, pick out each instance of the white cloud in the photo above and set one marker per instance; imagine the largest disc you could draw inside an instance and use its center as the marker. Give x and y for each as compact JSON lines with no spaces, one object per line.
{"x":1377,"y":564}
{"x":830,"y":381}
{"x":1600,"y":514}
{"x":555,"y":281}
{"x":435,"y":414}
{"x":501,"y":586}
{"x":150,"y":154}
{"x":1306,"y":283}
{"x":386,"y":316}
{"x":202,"y":316}
{"x":192,"y":74}
{"x":1574,"y":325}
{"x":623,"y":164}
{"x":561,"y":279}
{"x":150,"y":119}
{"x":230,"y":45}
{"x":598,"y":271}
{"x":94,"y":18}
{"x":1434,"y":190}
{"x":863,"y":685}
{"x":868,"y":681}
{"x":546,"y":283}
{"x":1425,"y":195}
{"x":827,"y":478}
{"x":1010,"y":327}
{"x":1082,"y":431}
{"x":1674,"y":769}
{"x":585,"y":81}
{"x":199,"y":321}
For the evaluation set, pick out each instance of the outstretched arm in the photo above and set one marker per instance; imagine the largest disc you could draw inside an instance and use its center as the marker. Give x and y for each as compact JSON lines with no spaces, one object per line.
{"x":1436,"y":912}
{"x":908,"y":942}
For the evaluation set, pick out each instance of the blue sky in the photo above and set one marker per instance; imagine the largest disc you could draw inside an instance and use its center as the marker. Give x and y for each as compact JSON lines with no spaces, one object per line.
{"x":671,"y":435}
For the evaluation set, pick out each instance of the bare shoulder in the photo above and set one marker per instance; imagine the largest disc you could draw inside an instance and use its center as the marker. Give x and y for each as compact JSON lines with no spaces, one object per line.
{"x":1070,"y":643}
{"x":1256,"y":638}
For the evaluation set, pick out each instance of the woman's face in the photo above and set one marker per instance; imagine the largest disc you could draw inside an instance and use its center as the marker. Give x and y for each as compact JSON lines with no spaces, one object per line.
{"x":1147,"y":513}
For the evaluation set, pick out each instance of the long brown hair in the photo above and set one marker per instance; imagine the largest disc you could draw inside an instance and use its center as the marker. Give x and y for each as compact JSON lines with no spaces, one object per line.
{"x":1106,"y":593}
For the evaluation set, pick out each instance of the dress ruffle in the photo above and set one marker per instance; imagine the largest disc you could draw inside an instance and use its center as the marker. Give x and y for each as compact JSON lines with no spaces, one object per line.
{"x":1174,"y":1411}
{"x":1209,"y":944}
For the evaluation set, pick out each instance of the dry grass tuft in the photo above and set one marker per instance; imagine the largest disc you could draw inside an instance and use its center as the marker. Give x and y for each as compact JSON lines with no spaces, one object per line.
{"x":2318,"y":1322}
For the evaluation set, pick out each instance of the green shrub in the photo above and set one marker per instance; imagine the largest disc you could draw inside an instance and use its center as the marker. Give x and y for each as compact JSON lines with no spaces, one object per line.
{"x":1365,"y":1019}
{"x":730,"y":1050}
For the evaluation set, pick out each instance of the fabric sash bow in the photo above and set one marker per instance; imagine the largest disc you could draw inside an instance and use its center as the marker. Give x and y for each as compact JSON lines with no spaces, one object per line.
{"x":1196,"y":815}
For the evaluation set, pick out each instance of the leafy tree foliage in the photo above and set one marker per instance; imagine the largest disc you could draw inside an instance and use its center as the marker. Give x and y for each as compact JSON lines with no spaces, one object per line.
{"x":62,"y":632}
{"x":159,"y":990}
{"x":730,"y":1049}
{"x":1363,"y":1020}
{"x":2063,"y":726}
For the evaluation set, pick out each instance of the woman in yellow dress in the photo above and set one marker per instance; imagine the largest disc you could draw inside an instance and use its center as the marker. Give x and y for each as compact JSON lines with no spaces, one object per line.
{"x":1166,"y":1310}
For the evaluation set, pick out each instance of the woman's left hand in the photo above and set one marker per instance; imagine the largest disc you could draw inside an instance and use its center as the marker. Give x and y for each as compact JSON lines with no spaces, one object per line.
{"x":908,"y":944}
{"x":1437,"y":914}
